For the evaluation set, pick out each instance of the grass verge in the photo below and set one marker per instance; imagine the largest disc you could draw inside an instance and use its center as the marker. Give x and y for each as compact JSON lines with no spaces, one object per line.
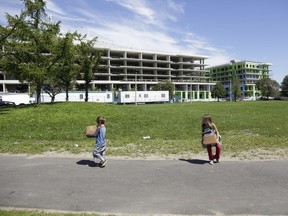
{"x":172,"y":128}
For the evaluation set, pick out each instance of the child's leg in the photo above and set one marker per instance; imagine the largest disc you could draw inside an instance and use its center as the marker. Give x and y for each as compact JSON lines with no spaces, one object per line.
{"x":103,"y":160}
{"x":103,"y":154}
{"x":218,"y":151}
{"x":210,"y":154}
{"x":98,"y":153}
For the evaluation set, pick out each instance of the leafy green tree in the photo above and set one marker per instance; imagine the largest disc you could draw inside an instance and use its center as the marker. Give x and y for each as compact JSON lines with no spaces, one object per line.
{"x":66,"y":70}
{"x":28,"y":52}
{"x":284,"y":87}
{"x":275,"y":88}
{"x":52,"y":85}
{"x":268,"y":87}
{"x":236,"y":88}
{"x":218,"y":91}
{"x":88,"y":60}
{"x":167,"y":85}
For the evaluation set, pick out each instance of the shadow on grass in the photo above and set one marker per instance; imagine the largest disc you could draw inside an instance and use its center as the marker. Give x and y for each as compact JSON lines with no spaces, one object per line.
{"x":6,"y":109}
{"x":195,"y":161}
{"x":90,"y":163}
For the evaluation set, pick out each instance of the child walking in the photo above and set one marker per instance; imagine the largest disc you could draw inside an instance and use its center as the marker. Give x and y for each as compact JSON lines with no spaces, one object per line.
{"x":209,"y":127}
{"x":100,"y":145}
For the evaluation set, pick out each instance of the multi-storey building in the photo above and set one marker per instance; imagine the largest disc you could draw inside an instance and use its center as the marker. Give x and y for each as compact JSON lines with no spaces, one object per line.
{"x":126,"y":70}
{"x":248,"y":73}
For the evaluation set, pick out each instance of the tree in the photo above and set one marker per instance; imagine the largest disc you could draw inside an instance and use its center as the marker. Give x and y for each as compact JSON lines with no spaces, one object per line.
{"x":236,"y":88}
{"x":218,"y":91}
{"x":28,"y":52}
{"x":167,"y":85}
{"x":284,"y":87}
{"x":52,"y":85}
{"x":88,"y":60}
{"x":66,"y":70}
{"x":268,"y":87}
{"x":275,"y":88}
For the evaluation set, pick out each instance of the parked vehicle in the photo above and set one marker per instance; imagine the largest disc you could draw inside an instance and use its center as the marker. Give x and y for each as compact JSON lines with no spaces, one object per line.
{"x":100,"y":97}
{"x":143,"y":97}
{"x":7,"y":104}
{"x":16,"y":98}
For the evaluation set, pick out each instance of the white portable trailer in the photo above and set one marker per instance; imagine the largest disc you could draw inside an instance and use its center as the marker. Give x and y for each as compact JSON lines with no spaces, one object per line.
{"x":17,"y":98}
{"x":101,"y":97}
{"x":126,"y":97}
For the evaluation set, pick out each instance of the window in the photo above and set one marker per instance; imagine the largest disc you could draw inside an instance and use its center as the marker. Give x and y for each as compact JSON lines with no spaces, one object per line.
{"x":108,"y":96}
{"x":127,"y":96}
{"x":81,"y":96}
{"x":145,"y":95}
{"x":162,"y":95}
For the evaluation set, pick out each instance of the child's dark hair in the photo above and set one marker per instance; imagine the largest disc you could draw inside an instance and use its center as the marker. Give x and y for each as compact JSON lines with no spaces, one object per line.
{"x":100,"y":120}
{"x":207,"y":120}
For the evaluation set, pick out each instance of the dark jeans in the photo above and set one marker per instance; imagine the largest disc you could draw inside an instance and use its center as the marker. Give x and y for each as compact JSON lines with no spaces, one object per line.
{"x":210,"y":153}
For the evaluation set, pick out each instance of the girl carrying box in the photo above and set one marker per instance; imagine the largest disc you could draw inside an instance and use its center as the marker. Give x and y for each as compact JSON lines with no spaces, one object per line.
{"x":208,"y":127}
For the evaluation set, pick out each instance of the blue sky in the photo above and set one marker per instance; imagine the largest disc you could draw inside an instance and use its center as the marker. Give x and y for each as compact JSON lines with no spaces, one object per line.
{"x":254,"y":30}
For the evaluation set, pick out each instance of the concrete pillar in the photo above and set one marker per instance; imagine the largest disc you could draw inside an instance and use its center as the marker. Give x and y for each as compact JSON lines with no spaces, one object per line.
{"x":198,"y":91}
{"x":254,"y":92}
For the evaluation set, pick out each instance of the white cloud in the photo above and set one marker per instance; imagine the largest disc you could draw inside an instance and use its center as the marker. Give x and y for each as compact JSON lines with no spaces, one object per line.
{"x":145,"y":27}
{"x":54,"y":8}
{"x":176,"y":6}
{"x":11,"y":7}
{"x":217,"y":59}
{"x":131,"y":34}
{"x":139,"y":8}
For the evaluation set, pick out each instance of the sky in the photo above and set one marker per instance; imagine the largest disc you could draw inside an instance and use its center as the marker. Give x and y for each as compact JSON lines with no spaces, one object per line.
{"x":222,"y":30}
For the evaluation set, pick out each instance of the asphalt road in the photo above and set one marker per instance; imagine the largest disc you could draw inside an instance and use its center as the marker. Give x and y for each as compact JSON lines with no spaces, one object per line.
{"x":182,"y":187}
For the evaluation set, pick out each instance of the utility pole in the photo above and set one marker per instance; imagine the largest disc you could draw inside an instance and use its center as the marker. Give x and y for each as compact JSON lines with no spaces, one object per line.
{"x":135,"y":88}
{"x":230,"y":85}
{"x":191,"y":88}
{"x":232,"y":62}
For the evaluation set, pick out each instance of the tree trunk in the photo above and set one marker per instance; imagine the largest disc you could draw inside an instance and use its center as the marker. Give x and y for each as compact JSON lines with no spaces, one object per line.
{"x":86,"y":91}
{"x":67,"y":94}
{"x":38,"y":93}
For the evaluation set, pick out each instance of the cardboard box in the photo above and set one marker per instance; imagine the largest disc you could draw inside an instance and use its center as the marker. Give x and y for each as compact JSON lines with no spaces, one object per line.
{"x":90,"y":130}
{"x":209,"y":139}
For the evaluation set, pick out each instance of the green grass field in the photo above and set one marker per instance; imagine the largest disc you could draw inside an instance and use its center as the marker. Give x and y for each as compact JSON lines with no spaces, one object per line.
{"x":173,"y":128}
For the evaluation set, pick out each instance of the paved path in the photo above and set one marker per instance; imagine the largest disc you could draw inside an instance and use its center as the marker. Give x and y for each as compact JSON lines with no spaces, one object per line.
{"x":145,"y":186}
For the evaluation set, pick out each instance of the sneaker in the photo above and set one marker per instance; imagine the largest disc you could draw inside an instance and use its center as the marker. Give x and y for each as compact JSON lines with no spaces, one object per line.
{"x":216,"y":161}
{"x":211,"y":162}
{"x":103,"y":163}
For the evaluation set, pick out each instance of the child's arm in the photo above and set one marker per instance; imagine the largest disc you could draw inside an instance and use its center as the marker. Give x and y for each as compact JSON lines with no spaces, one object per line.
{"x":94,"y":134}
{"x":216,"y":131}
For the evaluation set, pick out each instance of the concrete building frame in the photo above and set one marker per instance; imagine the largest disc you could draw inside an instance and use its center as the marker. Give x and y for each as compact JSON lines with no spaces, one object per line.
{"x":248,"y":73}
{"x":127,"y":69}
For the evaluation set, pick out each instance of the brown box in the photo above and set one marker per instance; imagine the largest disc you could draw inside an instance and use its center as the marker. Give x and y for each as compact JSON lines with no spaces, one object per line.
{"x":209,"y":139}
{"x":90,"y":130}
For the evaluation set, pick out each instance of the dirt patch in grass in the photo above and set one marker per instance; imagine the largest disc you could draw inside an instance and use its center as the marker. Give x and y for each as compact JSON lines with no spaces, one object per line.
{"x":256,"y":154}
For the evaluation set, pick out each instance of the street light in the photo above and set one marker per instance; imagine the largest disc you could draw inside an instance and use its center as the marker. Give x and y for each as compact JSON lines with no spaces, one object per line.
{"x":232,"y":62}
{"x":191,"y":88}
{"x":135,"y":88}
{"x":230,"y":86}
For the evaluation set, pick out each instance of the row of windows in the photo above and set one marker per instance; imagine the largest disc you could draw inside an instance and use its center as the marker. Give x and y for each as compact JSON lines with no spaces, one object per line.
{"x":127,"y":96}
{"x":229,"y":68}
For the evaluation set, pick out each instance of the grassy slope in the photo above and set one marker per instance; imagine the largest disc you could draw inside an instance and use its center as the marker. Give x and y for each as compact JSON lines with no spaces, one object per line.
{"x":173,"y":128}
